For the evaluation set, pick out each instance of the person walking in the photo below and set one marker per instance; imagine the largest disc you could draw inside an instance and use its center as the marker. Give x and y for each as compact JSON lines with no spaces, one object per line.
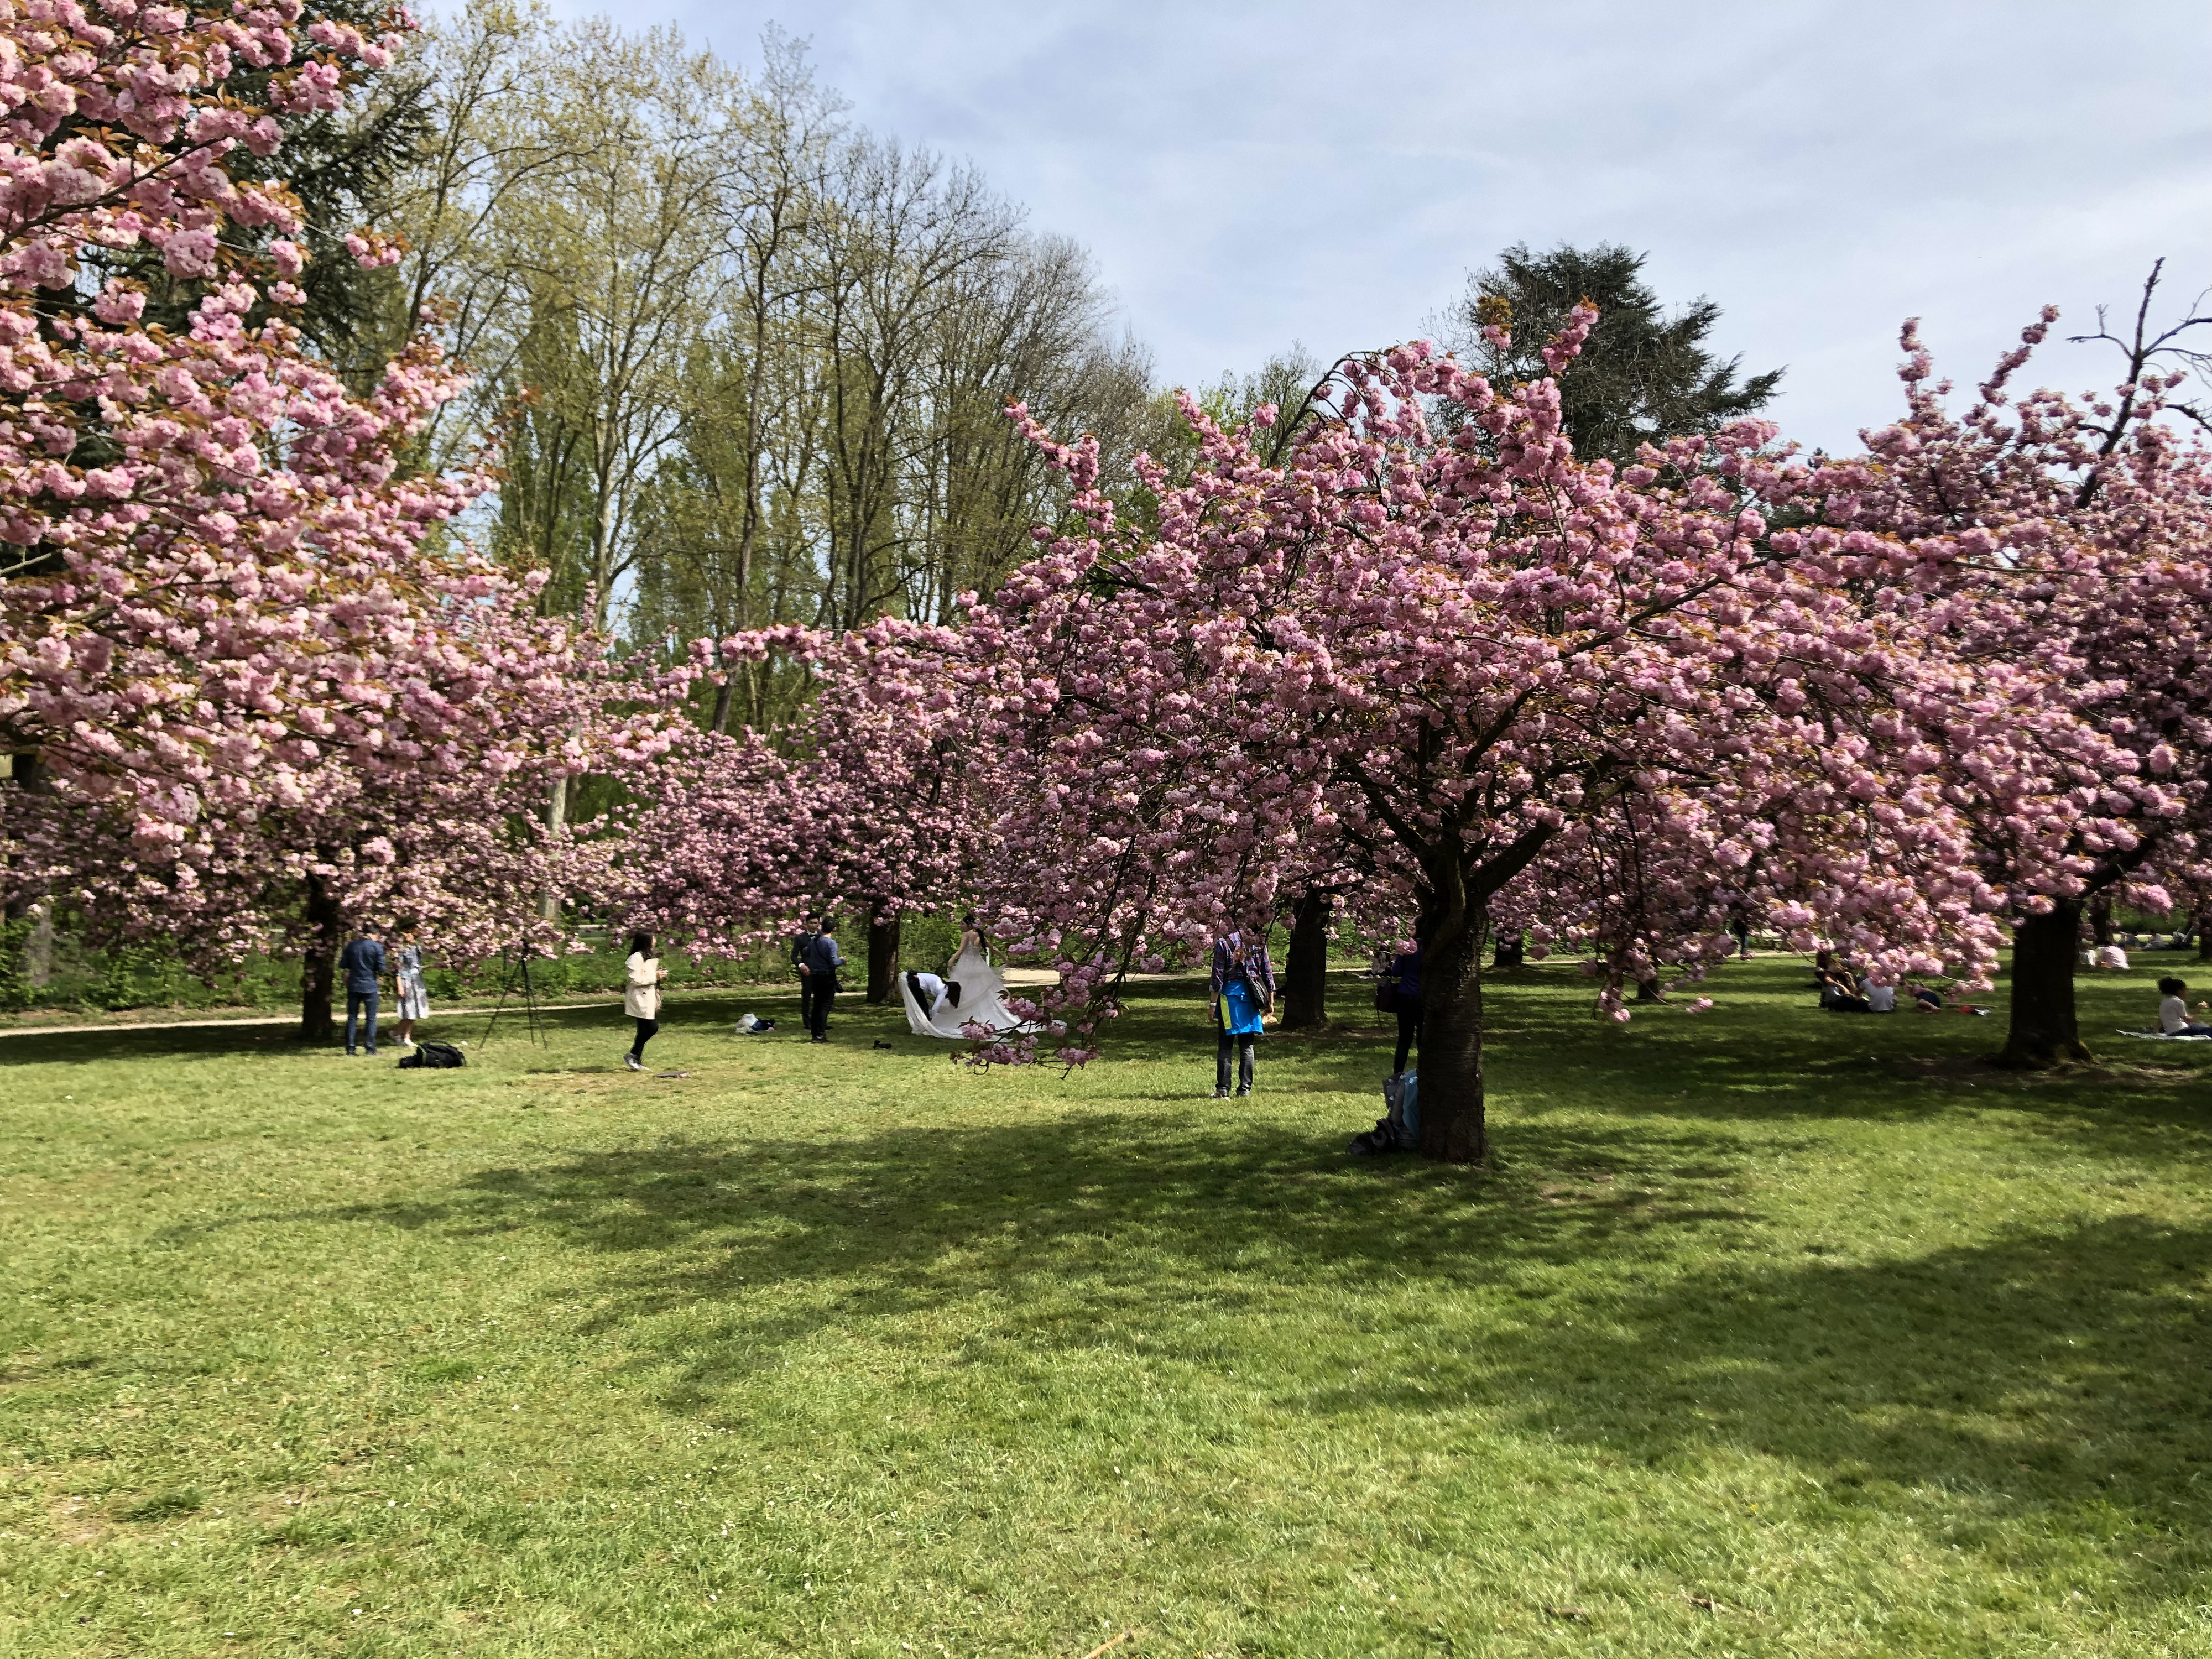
{"x":1405,"y":969}
{"x":809,"y":929}
{"x":407,"y":976}
{"x":362,"y":963}
{"x":1243,"y":987}
{"x":642,"y":975}
{"x":823,"y":960}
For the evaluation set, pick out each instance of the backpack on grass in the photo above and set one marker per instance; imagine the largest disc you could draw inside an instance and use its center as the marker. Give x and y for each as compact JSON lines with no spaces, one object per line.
{"x":433,"y":1057}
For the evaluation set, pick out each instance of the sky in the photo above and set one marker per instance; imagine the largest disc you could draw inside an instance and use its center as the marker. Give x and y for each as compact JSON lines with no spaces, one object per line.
{"x":1250,"y":175}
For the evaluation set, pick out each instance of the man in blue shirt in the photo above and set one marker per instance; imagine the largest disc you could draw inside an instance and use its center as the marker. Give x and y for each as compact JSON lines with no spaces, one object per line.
{"x":362,"y":963}
{"x":819,"y":961}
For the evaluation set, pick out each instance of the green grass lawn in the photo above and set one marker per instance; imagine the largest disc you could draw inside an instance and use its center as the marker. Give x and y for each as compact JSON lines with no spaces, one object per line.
{"x":1771,"y":1333}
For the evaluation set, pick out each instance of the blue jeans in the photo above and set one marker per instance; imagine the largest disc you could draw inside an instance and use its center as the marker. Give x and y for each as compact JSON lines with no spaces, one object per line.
{"x":356,"y":1002}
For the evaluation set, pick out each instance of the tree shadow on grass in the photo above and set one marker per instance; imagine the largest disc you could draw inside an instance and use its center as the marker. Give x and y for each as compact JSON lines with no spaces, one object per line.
{"x":1752,"y":1062}
{"x":1082,"y":1208}
{"x":688,"y":1010}
{"x":2040,"y":1397}
{"x":2055,"y":1380}
{"x":126,"y":1042}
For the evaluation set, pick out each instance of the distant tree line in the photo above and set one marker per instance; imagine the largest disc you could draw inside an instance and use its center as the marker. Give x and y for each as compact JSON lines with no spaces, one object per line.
{"x":746,"y":363}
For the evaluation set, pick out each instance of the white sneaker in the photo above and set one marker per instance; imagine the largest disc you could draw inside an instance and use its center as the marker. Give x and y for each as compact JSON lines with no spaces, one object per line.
{"x":633,"y":1062}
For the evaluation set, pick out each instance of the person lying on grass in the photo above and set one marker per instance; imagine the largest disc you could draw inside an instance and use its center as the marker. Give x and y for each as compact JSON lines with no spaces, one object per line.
{"x":1930,"y":1000}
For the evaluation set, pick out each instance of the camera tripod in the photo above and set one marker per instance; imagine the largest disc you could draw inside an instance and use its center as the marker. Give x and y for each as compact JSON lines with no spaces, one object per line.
{"x":514,"y":973}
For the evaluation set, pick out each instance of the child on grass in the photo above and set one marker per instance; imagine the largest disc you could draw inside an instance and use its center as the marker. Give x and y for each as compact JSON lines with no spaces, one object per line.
{"x":2173,"y":1010}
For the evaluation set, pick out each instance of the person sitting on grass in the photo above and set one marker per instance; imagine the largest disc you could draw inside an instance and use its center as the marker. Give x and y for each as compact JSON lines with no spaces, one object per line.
{"x":1881,"y":999}
{"x":2173,"y":1010}
{"x":1840,"y":988}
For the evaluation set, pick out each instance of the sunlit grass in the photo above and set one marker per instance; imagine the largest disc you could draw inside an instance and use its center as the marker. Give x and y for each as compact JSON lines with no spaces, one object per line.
{"x":1773,"y":1333}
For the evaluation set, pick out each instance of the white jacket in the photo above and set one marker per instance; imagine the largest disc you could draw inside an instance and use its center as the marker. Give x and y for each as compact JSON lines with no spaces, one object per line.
{"x":643,"y":999}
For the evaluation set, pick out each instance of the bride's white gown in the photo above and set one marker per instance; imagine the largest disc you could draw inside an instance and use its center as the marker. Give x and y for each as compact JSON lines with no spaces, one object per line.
{"x":982,"y":998}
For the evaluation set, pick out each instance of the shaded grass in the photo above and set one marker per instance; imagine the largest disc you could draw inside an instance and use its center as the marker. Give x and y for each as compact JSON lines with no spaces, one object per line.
{"x":1773,"y":1333}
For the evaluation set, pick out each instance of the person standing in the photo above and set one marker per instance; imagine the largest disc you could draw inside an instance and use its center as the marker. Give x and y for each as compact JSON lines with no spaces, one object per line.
{"x":809,"y":929}
{"x":362,"y":963}
{"x":642,"y":975}
{"x":1405,"y":969}
{"x":413,"y":995}
{"x":1243,"y":987}
{"x":822,"y":961}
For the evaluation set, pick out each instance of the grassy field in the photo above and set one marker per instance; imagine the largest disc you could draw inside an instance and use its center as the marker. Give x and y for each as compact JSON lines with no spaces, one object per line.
{"x":1771,"y":1333}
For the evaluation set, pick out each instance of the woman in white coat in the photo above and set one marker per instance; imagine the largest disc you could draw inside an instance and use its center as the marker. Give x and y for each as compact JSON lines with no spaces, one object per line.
{"x":642,"y":973}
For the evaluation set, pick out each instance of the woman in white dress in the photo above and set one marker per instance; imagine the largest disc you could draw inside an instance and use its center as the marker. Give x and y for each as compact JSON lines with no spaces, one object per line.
{"x":971,"y":993}
{"x":414,"y":997}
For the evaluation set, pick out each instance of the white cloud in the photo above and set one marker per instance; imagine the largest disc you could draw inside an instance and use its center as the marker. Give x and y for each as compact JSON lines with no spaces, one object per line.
{"x":1252,"y":173}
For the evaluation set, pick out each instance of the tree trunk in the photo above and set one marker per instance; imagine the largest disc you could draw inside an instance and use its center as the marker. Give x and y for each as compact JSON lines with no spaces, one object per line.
{"x":2201,"y":925}
{"x":556,"y":819}
{"x":37,"y":963}
{"x":38,"y":949}
{"x":883,"y":954}
{"x":2100,"y":919}
{"x":318,"y":966}
{"x":1647,"y":990}
{"x":2044,"y":950}
{"x":1305,"y":971}
{"x":1452,"y":1125}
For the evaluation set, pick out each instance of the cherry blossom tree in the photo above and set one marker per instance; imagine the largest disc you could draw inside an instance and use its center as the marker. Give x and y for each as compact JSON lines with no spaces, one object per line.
{"x":256,"y":688}
{"x":872,"y":796}
{"x":1455,"y":658}
{"x":2057,"y":555}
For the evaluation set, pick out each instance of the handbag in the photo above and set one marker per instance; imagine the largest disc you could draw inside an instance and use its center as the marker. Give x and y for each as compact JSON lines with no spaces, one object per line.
{"x":1385,"y":995}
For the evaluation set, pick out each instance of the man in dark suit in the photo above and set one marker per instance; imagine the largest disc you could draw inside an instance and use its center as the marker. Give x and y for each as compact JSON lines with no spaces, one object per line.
{"x":820,"y":964}
{"x":809,"y":930}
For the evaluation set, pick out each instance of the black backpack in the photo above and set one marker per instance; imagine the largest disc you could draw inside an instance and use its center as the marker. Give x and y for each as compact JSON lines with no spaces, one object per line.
{"x":433,"y":1057}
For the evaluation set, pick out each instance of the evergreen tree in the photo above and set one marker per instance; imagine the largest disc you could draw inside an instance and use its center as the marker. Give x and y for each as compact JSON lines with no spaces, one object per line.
{"x":1644,"y":376}
{"x":337,"y":164}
